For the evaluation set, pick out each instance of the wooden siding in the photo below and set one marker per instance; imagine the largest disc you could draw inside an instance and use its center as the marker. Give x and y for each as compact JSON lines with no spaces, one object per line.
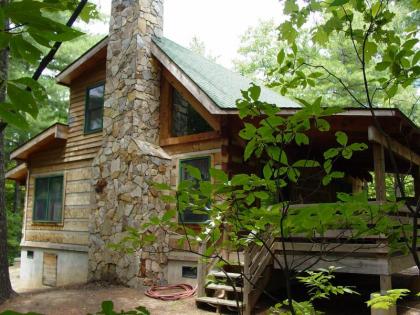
{"x":78,"y":202}
{"x":80,"y":145}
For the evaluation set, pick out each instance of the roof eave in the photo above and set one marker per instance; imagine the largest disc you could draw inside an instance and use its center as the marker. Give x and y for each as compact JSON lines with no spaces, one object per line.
{"x":57,"y":132}
{"x":65,"y":76}
{"x":18,"y":173}
{"x":186,"y":81}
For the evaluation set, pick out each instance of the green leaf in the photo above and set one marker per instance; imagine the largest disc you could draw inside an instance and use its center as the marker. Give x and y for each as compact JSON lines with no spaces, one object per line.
{"x":358,"y":146}
{"x":375,"y":8}
{"x":336,"y":174}
{"x":107,"y":307}
{"x":248,"y":132}
{"x":320,"y":36}
{"x":249,"y":149}
{"x":416,"y":58}
{"x":288,"y":32}
{"x":193,"y":171}
{"x":370,"y":50}
{"x":336,"y":3}
{"x":306,"y":163}
{"x":14,"y":118}
{"x":341,"y":138}
{"x":322,"y":124}
{"x":21,"y":48}
{"x":290,"y":6}
{"x":240,"y":179}
{"x":219,"y":175}
{"x":262,"y":195}
{"x":22,"y":99}
{"x":255,"y":92}
{"x":381,"y":66}
{"x":280,"y":57}
{"x":301,"y":138}
{"x":330,"y":153}
{"x":170,"y":214}
{"x":283,"y":158}
{"x":267,"y":171}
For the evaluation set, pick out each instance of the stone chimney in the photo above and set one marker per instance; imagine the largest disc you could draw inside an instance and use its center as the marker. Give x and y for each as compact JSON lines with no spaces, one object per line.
{"x":130,"y":157}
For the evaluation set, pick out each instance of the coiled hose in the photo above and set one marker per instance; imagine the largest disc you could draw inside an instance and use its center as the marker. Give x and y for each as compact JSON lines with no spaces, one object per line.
{"x":157,"y":292}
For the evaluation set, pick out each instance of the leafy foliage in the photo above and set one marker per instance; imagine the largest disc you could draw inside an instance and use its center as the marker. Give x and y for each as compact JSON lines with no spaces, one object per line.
{"x":386,"y":301}
{"x":31,"y":30}
{"x":262,"y":52}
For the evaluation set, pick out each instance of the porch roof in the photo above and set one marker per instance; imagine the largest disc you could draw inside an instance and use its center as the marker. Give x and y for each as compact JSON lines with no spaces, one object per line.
{"x":18,"y":173}
{"x":56,"y":134}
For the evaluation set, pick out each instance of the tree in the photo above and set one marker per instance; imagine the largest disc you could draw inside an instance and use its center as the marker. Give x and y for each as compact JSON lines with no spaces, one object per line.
{"x":5,"y":287}
{"x":198,"y":46}
{"x":23,"y":20}
{"x":261,"y":44}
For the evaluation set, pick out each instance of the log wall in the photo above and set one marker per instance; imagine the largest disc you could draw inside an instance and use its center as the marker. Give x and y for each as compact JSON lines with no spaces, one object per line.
{"x":74,"y":162}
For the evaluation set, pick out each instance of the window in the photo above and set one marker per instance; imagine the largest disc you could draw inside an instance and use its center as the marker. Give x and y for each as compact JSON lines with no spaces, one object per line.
{"x":203,"y":164}
{"x":189,"y":272}
{"x":30,"y":254}
{"x":48,"y":204}
{"x":185,"y":119}
{"x":94,"y":108}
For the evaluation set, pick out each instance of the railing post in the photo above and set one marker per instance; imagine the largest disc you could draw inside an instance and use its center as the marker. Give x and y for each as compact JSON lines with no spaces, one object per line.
{"x":416,"y":177}
{"x":201,"y":270}
{"x":247,"y":288}
{"x":379,"y":167}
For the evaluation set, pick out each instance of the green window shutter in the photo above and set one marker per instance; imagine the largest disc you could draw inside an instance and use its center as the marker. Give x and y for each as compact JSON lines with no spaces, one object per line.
{"x":94,"y":108}
{"x":48,"y":206}
{"x":203,"y":164}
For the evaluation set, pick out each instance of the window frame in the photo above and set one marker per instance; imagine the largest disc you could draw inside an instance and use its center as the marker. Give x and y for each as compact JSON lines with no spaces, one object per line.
{"x":190,"y":107}
{"x":192,"y":158}
{"x":49,"y":177}
{"x":87,"y":109}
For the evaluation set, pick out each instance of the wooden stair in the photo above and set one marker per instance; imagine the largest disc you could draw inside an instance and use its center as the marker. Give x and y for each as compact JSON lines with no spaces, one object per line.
{"x":236,"y":285}
{"x":226,"y":291}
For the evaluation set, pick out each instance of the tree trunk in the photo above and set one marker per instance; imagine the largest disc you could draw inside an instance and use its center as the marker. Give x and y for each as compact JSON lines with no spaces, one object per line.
{"x":6,"y":290}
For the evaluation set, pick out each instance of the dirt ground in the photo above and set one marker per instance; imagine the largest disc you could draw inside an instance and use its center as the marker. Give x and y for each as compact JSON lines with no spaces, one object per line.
{"x":81,"y":300}
{"x":88,"y":298}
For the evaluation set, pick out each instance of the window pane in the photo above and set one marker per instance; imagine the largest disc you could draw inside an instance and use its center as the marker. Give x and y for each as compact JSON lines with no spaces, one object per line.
{"x":94,"y":108}
{"x":96,"y":97}
{"x":48,"y":199}
{"x":203,"y":164}
{"x":185,"y":119}
{"x":95,"y":119}
{"x":55,"y":198}
{"x":41,"y":199}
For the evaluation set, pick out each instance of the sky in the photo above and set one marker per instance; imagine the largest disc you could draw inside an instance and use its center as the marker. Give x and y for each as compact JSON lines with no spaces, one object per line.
{"x":218,"y":23}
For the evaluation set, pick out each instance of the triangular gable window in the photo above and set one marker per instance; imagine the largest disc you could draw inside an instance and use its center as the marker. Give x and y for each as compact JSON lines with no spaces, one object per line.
{"x":185,"y":119}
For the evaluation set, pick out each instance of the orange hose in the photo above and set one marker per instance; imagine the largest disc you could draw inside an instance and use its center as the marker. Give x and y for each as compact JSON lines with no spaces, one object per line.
{"x":156,"y":292}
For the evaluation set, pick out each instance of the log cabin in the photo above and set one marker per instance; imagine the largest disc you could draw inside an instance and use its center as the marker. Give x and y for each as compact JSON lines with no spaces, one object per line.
{"x":141,"y":108}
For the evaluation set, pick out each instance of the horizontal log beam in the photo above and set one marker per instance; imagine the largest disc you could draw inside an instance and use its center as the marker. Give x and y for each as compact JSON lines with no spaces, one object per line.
{"x":375,"y":136}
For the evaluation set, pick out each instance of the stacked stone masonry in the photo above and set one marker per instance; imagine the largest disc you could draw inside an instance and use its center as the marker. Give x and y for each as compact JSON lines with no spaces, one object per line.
{"x":129,"y":159}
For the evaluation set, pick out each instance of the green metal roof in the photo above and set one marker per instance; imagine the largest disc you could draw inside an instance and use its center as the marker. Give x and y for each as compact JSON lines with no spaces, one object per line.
{"x":220,"y":84}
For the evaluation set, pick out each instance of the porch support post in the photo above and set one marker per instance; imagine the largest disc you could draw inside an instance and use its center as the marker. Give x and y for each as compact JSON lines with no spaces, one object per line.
{"x":416,"y":176}
{"x":385,"y":284}
{"x":379,"y":167}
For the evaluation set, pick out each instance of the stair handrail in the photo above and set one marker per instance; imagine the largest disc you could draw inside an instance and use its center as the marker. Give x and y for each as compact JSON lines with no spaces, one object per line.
{"x":256,"y":259}
{"x":204,"y":265}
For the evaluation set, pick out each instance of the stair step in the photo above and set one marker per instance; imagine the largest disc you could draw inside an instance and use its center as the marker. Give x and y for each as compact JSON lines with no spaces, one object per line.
{"x":221,"y":274}
{"x":216,"y":286}
{"x":216,"y":301}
